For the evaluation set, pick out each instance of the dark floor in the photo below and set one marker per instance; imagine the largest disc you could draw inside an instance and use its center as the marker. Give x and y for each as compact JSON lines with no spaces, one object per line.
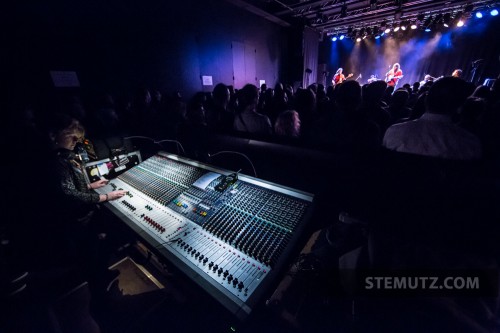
{"x":147,"y":295}
{"x":143,"y":299}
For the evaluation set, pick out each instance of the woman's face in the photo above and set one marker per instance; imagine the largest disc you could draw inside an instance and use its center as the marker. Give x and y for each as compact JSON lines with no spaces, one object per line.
{"x":68,"y":139}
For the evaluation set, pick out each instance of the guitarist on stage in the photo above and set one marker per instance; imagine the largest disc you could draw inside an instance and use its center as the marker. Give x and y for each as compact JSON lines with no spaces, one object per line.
{"x":339,"y":77}
{"x":393,"y":75}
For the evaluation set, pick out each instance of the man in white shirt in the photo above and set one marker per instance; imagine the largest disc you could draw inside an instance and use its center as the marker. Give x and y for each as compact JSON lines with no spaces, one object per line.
{"x":434,"y":134}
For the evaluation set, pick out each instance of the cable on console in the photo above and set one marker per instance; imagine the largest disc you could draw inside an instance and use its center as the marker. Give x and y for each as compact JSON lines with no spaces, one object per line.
{"x":237,"y":153}
{"x":157,"y":141}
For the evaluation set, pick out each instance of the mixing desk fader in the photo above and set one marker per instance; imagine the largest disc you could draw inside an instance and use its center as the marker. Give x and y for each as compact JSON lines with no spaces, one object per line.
{"x":230,"y":239}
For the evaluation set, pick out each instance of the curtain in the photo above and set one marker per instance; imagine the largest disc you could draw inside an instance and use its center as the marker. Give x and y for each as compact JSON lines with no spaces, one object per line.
{"x":311,"y":51}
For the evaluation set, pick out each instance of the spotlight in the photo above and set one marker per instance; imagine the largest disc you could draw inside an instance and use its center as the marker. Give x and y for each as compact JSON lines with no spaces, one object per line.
{"x":437,"y":18}
{"x":358,"y":39}
{"x":396,"y":28}
{"x":446,"y":20}
{"x":364,"y":36}
{"x":460,"y":22}
{"x":377,"y":37}
{"x":334,"y":38}
{"x":479,"y":15}
{"x":341,"y":37}
{"x":321,"y":18}
{"x":427,"y":21}
{"x":383,"y":25}
{"x":494,"y":12}
{"x":427,"y":29}
{"x":387,"y":30}
{"x":343,"y":10}
{"x":413,"y":26}
{"x":457,"y":18}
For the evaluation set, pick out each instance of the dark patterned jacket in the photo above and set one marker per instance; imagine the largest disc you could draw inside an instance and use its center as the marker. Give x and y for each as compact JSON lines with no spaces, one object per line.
{"x":74,"y":199}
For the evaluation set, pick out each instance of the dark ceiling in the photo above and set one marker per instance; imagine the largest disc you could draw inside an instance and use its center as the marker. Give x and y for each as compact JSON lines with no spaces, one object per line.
{"x":338,"y":16}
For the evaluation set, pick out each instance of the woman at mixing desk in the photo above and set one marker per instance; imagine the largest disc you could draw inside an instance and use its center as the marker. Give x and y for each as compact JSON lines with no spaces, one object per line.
{"x":77,"y":230}
{"x":77,"y":196}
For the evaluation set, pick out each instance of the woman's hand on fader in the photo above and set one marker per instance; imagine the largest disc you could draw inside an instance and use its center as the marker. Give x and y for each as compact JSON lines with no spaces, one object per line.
{"x":116,"y":194}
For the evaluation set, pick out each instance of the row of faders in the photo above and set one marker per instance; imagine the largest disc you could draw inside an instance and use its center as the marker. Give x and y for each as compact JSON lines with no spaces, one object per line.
{"x":255,"y":220}
{"x":259,"y":222}
{"x":162,"y":179}
{"x":245,"y":232}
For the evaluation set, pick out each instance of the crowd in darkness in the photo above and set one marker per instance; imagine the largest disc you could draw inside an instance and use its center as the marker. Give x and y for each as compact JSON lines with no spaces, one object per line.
{"x":348,"y":117}
{"x":448,"y":120}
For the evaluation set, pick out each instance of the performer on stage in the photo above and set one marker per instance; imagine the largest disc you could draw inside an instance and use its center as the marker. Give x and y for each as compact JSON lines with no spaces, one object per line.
{"x":426,"y":79}
{"x":393,"y":75}
{"x":339,"y":77}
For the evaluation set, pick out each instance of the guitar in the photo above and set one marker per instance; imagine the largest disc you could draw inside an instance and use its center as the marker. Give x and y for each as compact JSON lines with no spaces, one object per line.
{"x":389,"y":78}
{"x":338,"y":79}
{"x":437,"y":78}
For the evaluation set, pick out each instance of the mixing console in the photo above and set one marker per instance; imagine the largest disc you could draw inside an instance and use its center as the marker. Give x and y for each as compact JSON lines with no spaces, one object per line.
{"x":232,"y":241}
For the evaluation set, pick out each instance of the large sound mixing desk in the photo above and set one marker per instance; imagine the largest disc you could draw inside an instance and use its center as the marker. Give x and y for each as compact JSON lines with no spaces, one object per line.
{"x":230,"y":236}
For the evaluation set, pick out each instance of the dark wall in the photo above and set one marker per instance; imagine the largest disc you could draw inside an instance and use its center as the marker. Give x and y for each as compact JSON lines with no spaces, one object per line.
{"x":118,"y":46}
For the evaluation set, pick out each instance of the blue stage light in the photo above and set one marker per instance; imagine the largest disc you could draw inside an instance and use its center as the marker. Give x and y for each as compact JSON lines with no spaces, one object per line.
{"x":479,"y":15}
{"x":334,"y":38}
{"x":377,"y":37}
{"x":427,"y":29}
{"x":341,"y":37}
{"x":494,"y":12}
